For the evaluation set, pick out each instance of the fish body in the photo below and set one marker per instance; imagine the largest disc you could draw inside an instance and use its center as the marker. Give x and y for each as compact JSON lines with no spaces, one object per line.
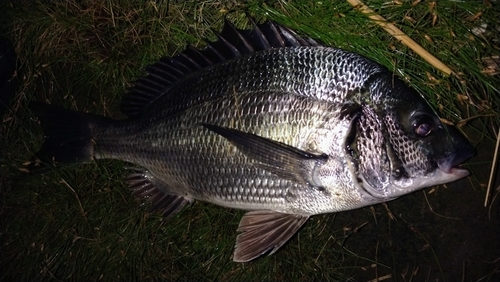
{"x":269,"y":122}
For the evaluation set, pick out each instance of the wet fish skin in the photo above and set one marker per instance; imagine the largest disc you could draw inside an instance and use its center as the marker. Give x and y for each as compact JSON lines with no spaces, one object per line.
{"x":283,"y":127}
{"x":215,"y":167}
{"x":258,"y":96}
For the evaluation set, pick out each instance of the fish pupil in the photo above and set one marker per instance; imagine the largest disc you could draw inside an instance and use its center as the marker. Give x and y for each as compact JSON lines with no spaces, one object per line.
{"x":423,"y":126}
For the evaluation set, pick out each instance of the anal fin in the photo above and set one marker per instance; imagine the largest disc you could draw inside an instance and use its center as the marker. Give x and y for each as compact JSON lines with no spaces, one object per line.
{"x":149,"y":190}
{"x":264,"y":231}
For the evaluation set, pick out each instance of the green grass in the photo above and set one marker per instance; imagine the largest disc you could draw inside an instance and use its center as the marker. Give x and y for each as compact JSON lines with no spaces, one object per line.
{"x":81,"y":221}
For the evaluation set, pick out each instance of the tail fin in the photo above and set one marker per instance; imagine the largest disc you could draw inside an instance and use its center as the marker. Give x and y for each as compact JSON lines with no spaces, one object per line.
{"x":68,"y":134}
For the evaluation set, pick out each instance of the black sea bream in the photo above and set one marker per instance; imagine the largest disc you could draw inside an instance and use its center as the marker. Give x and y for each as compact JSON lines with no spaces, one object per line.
{"x":270,"y":122}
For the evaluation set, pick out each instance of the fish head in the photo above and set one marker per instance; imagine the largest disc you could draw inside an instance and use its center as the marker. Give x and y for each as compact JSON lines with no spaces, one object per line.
{"x":402,"y":145}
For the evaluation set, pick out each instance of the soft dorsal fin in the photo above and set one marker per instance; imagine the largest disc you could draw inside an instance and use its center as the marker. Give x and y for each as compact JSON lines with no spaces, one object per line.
{"x":232,"y":43}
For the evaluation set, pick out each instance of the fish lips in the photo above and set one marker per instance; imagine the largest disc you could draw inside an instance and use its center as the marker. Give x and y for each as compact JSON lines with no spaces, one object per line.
{"x":451,"y":162}
{"x":459,"y":151}
{"x":447,"y":170}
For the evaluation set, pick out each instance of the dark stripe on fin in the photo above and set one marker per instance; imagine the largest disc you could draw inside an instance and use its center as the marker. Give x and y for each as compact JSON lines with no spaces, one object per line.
{"x":149,"y":190}
{"x":68,"y":136}
{"x":240,"y":39}
{"x":279,"y":158}
{"x":263,"y":232}
{"x":232,"y":43}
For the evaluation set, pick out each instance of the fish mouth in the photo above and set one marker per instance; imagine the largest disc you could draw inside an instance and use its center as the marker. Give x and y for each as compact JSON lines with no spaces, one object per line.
{"x":447,"y":170}
{"x":451,"y":163}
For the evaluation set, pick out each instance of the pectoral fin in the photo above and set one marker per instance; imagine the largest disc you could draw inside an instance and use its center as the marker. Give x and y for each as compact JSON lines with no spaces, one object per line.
{"x":283,"y":160}
{"x":264,"y":231}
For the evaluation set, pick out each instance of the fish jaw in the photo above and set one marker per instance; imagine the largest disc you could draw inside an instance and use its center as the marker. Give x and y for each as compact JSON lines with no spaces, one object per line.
{"x":445,"y":170}
{"x":438,"y":177}
{"x":401,"y":187}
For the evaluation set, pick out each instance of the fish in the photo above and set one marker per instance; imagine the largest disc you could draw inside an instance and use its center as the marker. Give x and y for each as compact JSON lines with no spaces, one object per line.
{"x":266,"y":121}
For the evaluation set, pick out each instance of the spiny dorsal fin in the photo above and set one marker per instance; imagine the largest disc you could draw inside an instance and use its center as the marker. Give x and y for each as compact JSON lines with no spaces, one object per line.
{"x":147,"y":190}
{"x":232,"y":43}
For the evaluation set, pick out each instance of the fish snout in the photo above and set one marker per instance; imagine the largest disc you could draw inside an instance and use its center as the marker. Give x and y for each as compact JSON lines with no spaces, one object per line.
{"x":456,"y":158}
{"x":459,"y":150}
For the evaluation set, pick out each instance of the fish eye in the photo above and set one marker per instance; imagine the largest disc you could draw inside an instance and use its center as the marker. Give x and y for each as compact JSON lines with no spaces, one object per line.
{"x":423,"y":125}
